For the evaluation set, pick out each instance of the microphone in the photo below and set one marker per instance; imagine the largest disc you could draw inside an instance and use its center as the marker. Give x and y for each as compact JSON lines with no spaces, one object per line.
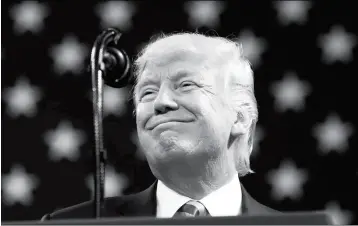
{"x":116,"y":67}
{"x":110,"y":65}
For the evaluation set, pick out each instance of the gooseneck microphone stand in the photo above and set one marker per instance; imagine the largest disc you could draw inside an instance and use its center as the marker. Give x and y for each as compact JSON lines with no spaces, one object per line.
{"x":109,"y":65}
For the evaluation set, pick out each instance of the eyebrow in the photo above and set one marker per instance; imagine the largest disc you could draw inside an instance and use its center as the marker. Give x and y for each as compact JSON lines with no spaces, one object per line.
{"x":177,"y":76}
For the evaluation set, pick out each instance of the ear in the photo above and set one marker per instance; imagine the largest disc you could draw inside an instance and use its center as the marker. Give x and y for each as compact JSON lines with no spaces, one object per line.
{"x":242,"y":123}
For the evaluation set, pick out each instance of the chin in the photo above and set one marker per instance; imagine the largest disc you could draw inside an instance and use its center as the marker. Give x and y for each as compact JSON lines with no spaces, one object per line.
{"x":167,"y":140}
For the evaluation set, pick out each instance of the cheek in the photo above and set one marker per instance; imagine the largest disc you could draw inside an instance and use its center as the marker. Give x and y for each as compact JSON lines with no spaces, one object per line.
{"x":211,"y":106}
{"x":142,"y":114}
{"x":215,"y":114}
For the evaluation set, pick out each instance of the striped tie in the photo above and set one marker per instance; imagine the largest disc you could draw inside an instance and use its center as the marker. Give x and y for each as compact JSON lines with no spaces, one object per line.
{"x":192,"y":209}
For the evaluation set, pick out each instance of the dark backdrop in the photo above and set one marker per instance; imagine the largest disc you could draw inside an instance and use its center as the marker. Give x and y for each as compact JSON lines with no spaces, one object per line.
{"x":305,"y":155}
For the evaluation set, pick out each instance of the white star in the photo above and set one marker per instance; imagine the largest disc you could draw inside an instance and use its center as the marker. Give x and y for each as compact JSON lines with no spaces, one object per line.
{"x":292,"y":11}
{"x":17,"y":186}
{"x":339,"y":216}
{"x":287,"y":181}
{"x":28,"y":16}
{"x":337,"y":45}
{"x":258,"y":137}
{"x":116,"y":14}
{"x":252,"y":46}
{"x":290,"y":93}
{"x":114,"y":185}
{"x":64,"y":142}
{"x":69,"y":56}
{"x":333,"y":134}
{"x":114,"y":100}
{"x":139,"y":151}
{"x":204,"y":13}
{"x":22,"y":98}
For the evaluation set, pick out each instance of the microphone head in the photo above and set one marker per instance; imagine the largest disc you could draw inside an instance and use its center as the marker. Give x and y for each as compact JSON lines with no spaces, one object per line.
{"x":116,"y":67}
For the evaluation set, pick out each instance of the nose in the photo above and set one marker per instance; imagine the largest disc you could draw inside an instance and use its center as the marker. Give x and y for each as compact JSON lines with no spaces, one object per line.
{"x":164,"y":102}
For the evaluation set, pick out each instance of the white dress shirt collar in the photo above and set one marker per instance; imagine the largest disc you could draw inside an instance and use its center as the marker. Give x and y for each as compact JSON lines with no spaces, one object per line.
{"x":226,"y":201}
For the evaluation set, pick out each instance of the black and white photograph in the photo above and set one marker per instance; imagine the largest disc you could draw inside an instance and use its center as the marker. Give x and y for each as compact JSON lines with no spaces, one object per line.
{"x":179,"y":112}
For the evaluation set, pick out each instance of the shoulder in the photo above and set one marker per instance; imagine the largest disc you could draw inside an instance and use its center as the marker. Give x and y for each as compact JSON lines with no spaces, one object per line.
{"x":267,"y":210}
{"x":135,"y":204}
{"x":83,"y":210}
{"x":78,"y":210}
{"x":252,"y":206}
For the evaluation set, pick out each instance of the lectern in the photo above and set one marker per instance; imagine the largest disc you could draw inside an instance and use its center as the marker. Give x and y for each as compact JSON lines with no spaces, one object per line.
{"x":293,"y":218}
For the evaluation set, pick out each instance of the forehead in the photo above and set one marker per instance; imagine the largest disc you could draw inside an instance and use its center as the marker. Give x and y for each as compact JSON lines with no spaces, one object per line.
{"x":175,"y":64}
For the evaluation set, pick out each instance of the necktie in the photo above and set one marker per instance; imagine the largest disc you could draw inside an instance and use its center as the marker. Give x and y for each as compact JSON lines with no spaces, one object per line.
{"x":192,"y":209}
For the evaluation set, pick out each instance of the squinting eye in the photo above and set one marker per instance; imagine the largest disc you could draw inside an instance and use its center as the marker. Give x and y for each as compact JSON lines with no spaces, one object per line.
{"x":186,"y":84}
{"x":147,"y":92}
{"x":147,"y":95}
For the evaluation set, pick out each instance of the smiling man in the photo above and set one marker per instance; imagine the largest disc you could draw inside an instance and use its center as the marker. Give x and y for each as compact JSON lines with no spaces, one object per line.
{"x":196,"y":115}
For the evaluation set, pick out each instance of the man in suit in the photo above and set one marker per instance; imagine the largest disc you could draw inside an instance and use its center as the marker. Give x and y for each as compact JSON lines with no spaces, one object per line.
{"x":196,"y":115}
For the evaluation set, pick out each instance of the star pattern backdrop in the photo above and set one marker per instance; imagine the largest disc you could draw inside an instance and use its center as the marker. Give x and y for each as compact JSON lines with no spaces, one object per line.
{"x":304,"y":56}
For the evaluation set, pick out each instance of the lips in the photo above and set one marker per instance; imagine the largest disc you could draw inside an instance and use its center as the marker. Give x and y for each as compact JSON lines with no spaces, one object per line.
{"x":152,"y":125}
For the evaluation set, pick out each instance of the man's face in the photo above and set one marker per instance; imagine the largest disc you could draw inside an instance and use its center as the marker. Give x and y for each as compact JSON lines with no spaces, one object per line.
{"x":182,"y":115}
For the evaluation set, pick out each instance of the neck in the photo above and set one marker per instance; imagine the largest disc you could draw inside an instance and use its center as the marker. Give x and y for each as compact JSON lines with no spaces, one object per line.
{"x":196,"y":186}
{"x":197,"y":189}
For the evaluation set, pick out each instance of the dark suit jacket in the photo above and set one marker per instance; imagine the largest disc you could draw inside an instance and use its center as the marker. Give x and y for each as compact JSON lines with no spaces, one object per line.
{"x":141,"y":204}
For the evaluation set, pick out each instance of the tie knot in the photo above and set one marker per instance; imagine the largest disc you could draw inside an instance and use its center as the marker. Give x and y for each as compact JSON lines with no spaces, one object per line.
{"x":192,"y":209}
